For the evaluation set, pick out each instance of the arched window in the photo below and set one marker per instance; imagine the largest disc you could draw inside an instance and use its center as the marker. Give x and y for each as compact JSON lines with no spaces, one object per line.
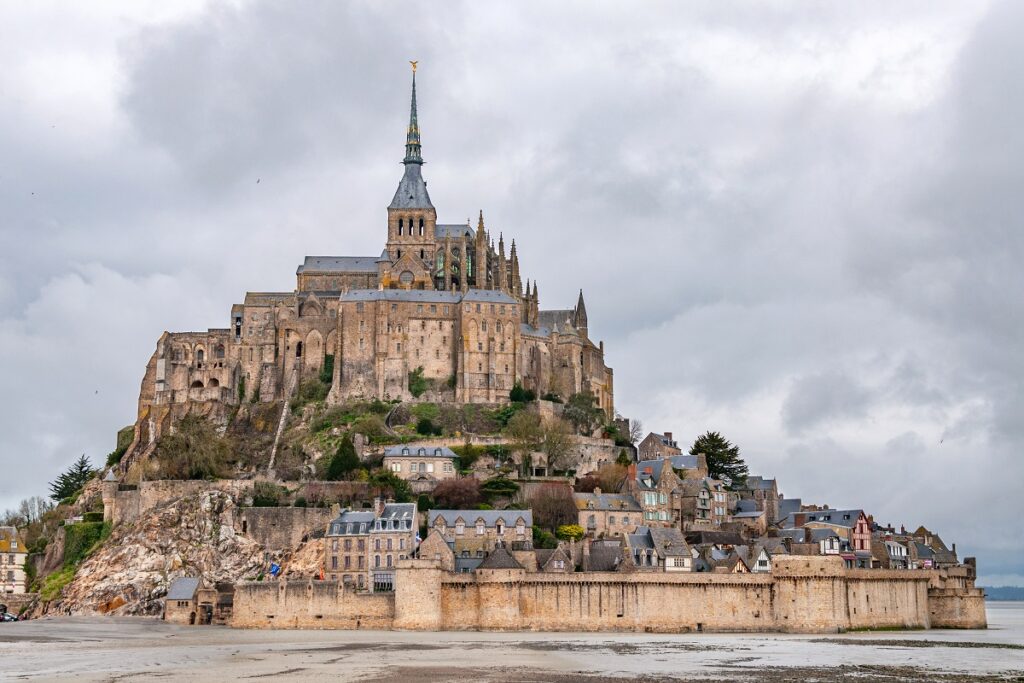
{"x":298,"y":350}
{"x":199,"y":356}
{"x":214,"y":382}
{"x":197,"y":384}
{"x":401,"y":226}
{"x":421,"y":227}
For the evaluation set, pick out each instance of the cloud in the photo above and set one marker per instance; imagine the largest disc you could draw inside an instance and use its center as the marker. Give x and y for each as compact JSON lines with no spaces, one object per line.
{"x":799,"y":228}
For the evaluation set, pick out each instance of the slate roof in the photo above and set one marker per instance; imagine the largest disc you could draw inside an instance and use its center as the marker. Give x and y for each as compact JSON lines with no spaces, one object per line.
{"x":412,"y":190}
{"x":717,"y":537}
{"x":753,"y":514}
{"x":818,"y":535}
{"x":788,"y":506}
{"x":431,"y":296}
{"x":605,"y":557}
{"x":454,"y":231}
{"x":417,"y":451}
{"x":753,"y":483}
{"x":532,"y":331}
{"x":399,"y":511}
{"x":843,"y":518}
{"x":183,"y":588}
{"x":490,"y":517}
{"x":493,"y":296}
{"x":746,"y":505}
{"x":500,"y":559}
{"x":611,"y":502}
{"x":351,"y":522}
{"x":339,"y":264}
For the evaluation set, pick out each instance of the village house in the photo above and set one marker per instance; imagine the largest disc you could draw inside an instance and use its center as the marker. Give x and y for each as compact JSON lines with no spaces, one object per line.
{"x":555,"y":560}
{"x":659,"y":549}
{"x":474,"y":534}
{"x":190,"y":601}
{"x":755,"y":521}
{"x":607,"y":514}
{"x":422,"y":466}
{"x":656,"y":446}
{"x":765,"y":495}
{"x":362,"y":547}
{"x":12,"y":561}
{"x":853,"y":524}
{"x":942,"y":557}
{"x":651,"y":483}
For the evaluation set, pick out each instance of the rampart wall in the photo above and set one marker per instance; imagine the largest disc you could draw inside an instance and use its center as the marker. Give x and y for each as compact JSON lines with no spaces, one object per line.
{"x":802,"y":594}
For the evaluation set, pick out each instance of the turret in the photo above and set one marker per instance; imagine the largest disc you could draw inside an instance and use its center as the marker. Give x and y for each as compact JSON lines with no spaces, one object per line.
{"x":579,"y":318}
{"x":516,"y":285}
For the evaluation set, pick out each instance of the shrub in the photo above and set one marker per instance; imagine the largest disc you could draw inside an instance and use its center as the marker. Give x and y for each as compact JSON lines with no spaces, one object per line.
{"x":499,"y":487}
{"x":424,"y":503}
{"x":300,"y":502}
{"x":553,"y":506}
{"x":428,"y":411}
{"x":241,"y":389}
{"x":92,"y":517}
{"x":327,"y":371}
{"x":369,"y":425}
{"x":309,"y":391}
{"x":570,"y":532}
{"x":387,"y":481}
{"x":344,"y":461}
{"x":554,"y":398}
{"x":521,"y":395}
{"x":266,"y":495}
{"x":417,"y":382}
{"x":55,"y":582}
{"x":193,"y":451}
{"x":543,"y":538}
{"x":504,"y":414}
{"x":81,"y":539}
{"x":124,"y":440}
{"x":458,"y":494}
{"x":428,"y":428}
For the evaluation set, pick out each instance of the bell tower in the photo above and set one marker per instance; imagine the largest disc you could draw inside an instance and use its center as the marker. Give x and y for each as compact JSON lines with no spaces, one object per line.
{"x":411,"y":217}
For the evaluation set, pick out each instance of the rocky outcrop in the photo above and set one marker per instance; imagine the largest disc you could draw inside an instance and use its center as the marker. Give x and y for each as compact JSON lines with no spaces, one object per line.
{"x":130,"y":573}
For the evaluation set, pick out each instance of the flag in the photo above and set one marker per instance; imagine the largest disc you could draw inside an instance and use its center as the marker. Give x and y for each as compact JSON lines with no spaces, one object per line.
{"x":275,"y":569}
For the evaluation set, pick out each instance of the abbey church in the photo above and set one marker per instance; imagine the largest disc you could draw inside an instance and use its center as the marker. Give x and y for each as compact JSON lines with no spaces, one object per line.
{"x":442,"y":305}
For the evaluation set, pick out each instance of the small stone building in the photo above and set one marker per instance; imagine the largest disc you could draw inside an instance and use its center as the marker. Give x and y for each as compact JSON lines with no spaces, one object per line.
{"x":12,"y":561}
{"x":422,"y":466}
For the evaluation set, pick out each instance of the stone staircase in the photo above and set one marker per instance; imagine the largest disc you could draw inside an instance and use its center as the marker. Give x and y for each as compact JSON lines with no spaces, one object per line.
{"x":293,"y":382}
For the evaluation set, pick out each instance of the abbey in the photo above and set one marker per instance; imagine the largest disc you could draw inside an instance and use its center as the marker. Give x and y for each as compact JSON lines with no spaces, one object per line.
{"x":442,"y":307}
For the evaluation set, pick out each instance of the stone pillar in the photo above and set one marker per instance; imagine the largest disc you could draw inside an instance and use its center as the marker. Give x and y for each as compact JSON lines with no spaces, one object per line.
{"x":418,"y":595}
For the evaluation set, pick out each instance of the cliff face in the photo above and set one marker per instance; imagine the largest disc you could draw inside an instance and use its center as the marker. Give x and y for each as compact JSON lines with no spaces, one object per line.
{"x":130,"y":573}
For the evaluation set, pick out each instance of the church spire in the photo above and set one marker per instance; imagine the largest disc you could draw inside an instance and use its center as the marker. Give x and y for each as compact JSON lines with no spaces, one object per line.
{"x":412,"y":137}
{"x":580,"y":315}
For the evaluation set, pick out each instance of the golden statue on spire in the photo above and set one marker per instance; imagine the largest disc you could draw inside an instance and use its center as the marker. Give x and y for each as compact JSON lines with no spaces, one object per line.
{"x":413,"y":65}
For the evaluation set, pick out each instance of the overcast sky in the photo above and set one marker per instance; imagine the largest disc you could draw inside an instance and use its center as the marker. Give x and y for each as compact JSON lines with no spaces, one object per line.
{"x":797,"y":225}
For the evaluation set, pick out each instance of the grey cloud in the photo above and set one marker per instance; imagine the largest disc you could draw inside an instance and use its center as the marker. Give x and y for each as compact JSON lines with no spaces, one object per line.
{"x":818,"y":399}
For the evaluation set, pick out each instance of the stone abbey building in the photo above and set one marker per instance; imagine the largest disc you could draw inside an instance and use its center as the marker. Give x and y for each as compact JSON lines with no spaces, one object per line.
{"x":441,"y":300}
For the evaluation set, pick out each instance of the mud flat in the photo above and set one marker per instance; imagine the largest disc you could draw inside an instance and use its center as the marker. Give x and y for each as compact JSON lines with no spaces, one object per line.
{"x":112,"y":649}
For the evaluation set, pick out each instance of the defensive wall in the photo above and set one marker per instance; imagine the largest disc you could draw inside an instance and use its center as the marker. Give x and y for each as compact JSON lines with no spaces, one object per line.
{"x":802,"y":594}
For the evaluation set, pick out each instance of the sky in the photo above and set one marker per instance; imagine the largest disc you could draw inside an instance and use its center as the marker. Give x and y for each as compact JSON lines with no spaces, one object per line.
{"x":796,"y":224}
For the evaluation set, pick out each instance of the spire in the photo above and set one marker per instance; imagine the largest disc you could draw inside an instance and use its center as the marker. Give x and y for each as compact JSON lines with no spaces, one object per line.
{"x":580,"y":316}
{"x":412,"y":137}
{"x":412,"y":189}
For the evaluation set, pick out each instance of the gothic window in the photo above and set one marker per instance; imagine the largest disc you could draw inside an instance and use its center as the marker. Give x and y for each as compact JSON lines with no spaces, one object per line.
{"x":220,"y":351}
{"x":400,"y":226}
{"x":199,"y":357}
{"x":421,"y":226}
{"x":298,"y":350}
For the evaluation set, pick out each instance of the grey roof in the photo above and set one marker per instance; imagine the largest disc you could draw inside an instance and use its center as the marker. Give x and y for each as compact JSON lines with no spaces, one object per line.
{"x":753,"y":514}
{"x":655,"y":470}
{"x":753,"y":482}
{"x":500,"y":559}
{"x":339,"y":264}
{"x":746,"y":505}
{"x":351,"y":522}
{"x":489,"y":295}
{"x":463,"y":564}
{"x":604,"y":556}
{"x":788,"y":506}
{"x":490,"y":517}
{"x":554,"y":318}
{"x":419,"y":295}
{"x":923,"y":551}
{"x":183,"y":588}
{"x":454,"y":231}
{"x":384,"y":256}
{"x":844,"y":518}
{"x":399,"y":511}
{"x":819,"y":535}
{"x":532,"y":331}
{"x":413,"y":450}
{"x":640,"y":540}
{"x":611,"y":502}
{"x":412,"y":190}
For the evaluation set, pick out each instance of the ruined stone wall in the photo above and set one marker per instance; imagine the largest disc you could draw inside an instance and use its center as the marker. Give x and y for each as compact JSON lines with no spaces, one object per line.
{"x":310,"y":604}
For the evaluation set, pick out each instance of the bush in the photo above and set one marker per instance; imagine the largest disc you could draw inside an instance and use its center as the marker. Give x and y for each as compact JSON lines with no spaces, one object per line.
{"x":570,"y":532}
{"x":193,"y":451}
{"x":124,"y":440}
{"x":387,"y":481}
{"x":521,"y":395}
{"x":429,"y":411}
{"x":417,"y":382}
{"x":424,"y":503}
{"x":81,"y":539}
{"x":327,"y":371}
{"x":504,"y":414}
{"x":309,"y":391}
{"x":55,"y":582}
{"x":370,"y":426}
{"x":553,"y":506}
{"x":266,"y":495}
{"x":300,"y":502}
{"x":428,"y":428}
{"x":554,"y":398}
{"x":543,"y":539}
{"x":92,"y":517}
{"x":458,"y":494}
{"x":499,"y":487}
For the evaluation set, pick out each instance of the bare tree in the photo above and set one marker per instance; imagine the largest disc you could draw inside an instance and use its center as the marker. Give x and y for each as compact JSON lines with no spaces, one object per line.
{"x":558,"y":443}
{"x":636,"y":431}
{"x":553,"y":506}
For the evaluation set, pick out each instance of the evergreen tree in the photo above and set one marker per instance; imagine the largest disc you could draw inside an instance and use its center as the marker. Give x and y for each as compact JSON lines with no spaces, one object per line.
{"x":723,"y":458}
{"x":344,"y":461}
{"x":72,"y":479}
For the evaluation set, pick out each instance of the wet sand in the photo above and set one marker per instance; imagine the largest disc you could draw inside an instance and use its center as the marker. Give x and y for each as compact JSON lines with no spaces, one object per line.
{"x":127,"y":649}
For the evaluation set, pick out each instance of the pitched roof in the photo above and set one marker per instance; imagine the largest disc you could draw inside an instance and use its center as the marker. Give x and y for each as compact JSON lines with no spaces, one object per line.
{"x":398,"y":511}
{"x":488,"y":295}
{"x":419,"y":451}
{"x":788,"y":506}
{"x":454,"y":230}
{"x":183,"y":588}
{"x":351,"y":522}
{"x":500,"y":559}
{"x":611,"y":502}
{"x":339,"y":264}
{"x":604,"y":556}
{"x":490,"y":517}
{"x":412,"y":190}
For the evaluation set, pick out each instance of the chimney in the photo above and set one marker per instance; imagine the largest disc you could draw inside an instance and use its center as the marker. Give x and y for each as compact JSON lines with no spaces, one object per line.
{"x":954,"y":550}
{"x":903,"y":530}
{"x":631,"y":472}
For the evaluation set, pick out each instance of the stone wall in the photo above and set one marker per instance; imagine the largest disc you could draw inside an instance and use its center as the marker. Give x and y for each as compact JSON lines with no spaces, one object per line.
{"x":282,"y":529}
{"x":801,"y":595}
{"x":310,"y":604}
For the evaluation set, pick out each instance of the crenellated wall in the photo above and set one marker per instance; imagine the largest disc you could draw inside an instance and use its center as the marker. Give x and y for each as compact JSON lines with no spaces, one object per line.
{"x":801,"y":595}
